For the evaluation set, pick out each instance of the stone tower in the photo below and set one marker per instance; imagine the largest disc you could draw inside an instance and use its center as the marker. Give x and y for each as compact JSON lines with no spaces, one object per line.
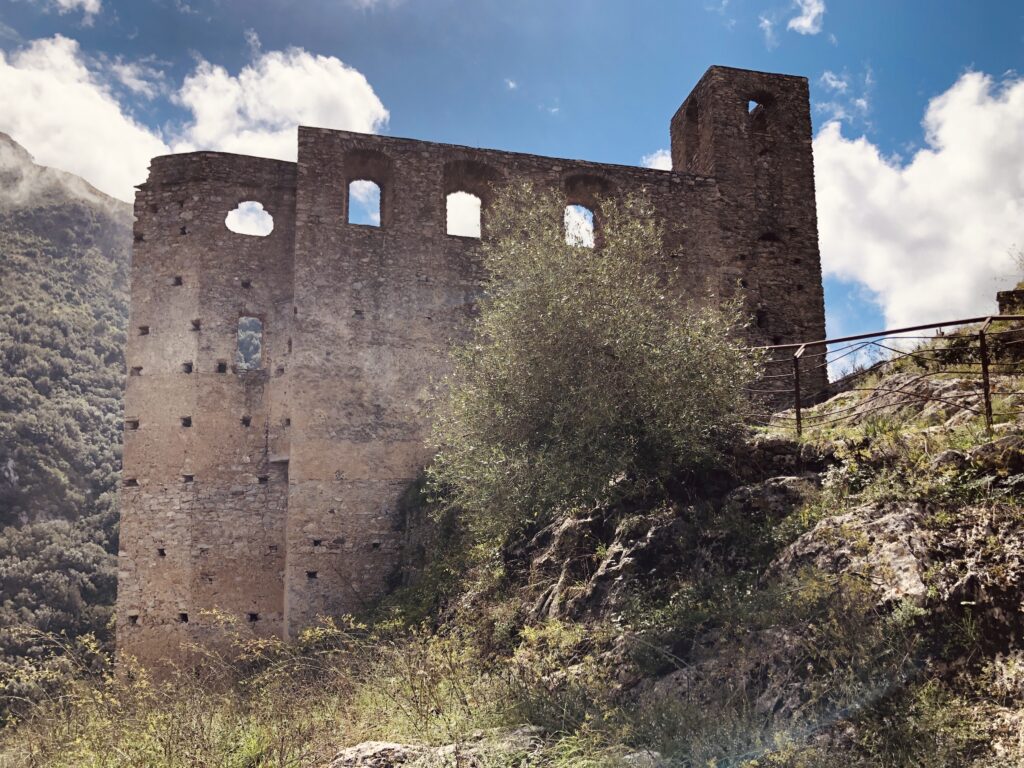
{"x":266,"y":487}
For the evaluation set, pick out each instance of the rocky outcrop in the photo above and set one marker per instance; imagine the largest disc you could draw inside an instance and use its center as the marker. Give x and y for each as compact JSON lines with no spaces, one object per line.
{"x":484,"y":748}
{"x":885,"y":546}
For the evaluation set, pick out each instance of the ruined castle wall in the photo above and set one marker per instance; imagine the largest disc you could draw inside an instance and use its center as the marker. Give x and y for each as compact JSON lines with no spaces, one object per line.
{"x":203,"y":507}
{"x":297,"y":514}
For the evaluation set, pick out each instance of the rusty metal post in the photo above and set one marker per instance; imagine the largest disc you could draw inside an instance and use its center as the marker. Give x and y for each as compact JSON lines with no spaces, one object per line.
{"x":986,"y":387}
{"x":796,"y":388}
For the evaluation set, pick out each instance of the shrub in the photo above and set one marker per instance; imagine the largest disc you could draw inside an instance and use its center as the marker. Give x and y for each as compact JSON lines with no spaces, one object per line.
{"x":586,"y":375}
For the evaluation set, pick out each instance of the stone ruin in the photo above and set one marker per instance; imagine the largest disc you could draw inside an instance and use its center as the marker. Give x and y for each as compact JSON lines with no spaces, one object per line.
{"x":276,"y":403}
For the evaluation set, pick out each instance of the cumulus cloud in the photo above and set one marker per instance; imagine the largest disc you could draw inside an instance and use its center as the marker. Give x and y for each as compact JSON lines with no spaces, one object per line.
{"x":511,"y":84}
{"x":660,"y":159}
{"x":256,"y":111}
{"x":73,"y":113}
{"x":68,"y":117}
{"x":88,"y":7}
{"x":809,"y":20}
{"x":931,"y":238}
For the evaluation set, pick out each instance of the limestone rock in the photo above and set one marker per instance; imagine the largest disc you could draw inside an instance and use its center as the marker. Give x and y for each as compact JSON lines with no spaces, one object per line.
{"x":1002,"y":456}
{"x":886,"y":545}
{"x":774,"y":498}
{"x":483,"y":748}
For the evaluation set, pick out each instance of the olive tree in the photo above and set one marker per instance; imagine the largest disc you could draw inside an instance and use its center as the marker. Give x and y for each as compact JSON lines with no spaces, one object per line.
{"x":585,"y":376}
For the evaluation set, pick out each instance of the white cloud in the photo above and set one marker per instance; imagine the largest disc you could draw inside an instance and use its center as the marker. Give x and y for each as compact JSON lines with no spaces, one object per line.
{"x":849,"y":96}
{"x":834,"y":82}
{"x":810,"y":18}
{"x":68,"y":118}
{"x":66,"y":110}
{"x":256,"y":112}
{"x":88,"y":7}
{"x":463,"y":211}
{"x":660,"y":159}
{"x":767,"y":27}
{"x":511,"y":84}
{"x":931,"y":238}
{"x":139,"y":77}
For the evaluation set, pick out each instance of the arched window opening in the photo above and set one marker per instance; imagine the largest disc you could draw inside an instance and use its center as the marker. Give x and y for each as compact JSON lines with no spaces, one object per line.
{"x":249,"y":355}
{"x":579,"y":226}
{"x":463,"y":214}
{"x":364,"y":203}
{"x":752,"y":104}
{"x":249,"y":218}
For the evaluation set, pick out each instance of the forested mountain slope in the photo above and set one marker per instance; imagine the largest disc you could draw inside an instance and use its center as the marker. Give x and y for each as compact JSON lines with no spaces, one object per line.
{"x":64,"y":252}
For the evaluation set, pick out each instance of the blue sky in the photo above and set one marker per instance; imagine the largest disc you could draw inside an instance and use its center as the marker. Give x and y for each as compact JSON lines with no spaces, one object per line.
{"x":580,"y":78}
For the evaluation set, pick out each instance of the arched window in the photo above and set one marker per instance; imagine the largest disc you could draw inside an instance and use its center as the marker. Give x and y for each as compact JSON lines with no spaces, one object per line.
{"x":364,"y":203}
{"x":249,"y":218}
{"x":249,"y":355}
{"x":463,"y":214}
{"x":579,"y":226}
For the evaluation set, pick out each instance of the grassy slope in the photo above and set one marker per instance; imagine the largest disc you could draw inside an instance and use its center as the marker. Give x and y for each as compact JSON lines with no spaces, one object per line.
{"x":936,"y":682}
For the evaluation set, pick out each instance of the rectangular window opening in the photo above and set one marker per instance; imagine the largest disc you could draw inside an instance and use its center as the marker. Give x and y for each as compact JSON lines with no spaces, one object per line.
{"x":130,"y":482}
{"x":287,"y":422}
{"x":317,"y":542}
{"x":249,"y":354}
{"x":131,"y":424}
{"x":311,"y":575}
{"x":183,"y":617}
{"x":222,"y":367}
{"x":186,"y":421}
{"x":263,"y":479}
{"x":246,"y":421}
{"x":272,"y":548}
{"x":375,"y":545}
{"x":247,"y":283}
{"x":187,"y":367}
{"x":176,"y":280}
{"x":188,"y":478}
{"x":143,"y":330}
{"x":161,"y":552}
{"x":254,"y":617}
{"x":135,"y":371}
{"x":197,"y":324}
{"x":133,"y":618}
{"x":364,"y":203}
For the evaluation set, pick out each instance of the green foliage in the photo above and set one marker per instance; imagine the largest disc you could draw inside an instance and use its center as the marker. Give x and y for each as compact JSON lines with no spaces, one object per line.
{"x":63,"y":317}
{"x":586,"y":376}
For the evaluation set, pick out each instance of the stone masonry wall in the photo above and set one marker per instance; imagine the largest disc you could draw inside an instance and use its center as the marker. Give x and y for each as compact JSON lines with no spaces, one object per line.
{"x":295,"y":515}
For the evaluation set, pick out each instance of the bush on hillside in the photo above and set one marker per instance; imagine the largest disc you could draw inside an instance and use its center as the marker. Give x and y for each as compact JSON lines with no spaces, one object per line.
{"x":586,"y":376}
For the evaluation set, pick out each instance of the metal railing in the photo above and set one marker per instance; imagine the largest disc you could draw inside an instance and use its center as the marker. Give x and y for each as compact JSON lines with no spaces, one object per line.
{"x":978,"y":354}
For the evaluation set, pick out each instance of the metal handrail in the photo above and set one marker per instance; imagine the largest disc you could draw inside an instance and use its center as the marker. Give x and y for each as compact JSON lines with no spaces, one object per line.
{"x":983,"y":352}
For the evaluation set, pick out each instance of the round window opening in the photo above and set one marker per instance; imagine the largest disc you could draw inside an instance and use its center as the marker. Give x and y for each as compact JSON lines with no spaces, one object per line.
{"x":249,"y":218}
